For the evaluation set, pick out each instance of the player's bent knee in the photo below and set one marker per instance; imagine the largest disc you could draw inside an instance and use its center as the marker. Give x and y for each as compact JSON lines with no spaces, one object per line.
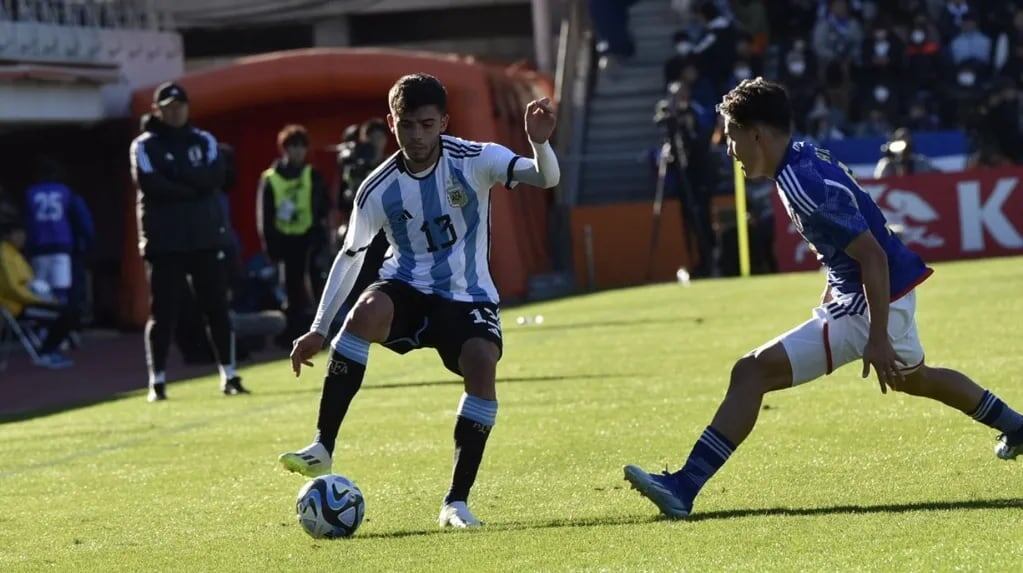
{"x":371,"y":317}
{"x":747,"y":375}
{"x":478,"y":354}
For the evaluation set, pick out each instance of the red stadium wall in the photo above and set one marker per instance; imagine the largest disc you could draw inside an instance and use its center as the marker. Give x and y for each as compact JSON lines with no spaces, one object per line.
{"x":944,"y":216}
{"x":246,"y":103}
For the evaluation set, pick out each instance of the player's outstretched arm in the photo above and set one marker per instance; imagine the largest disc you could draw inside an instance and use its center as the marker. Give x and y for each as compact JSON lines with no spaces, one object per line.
{"x":343,"y":274}
{"x":363,"y":225}
{"x":878,"y":352}
{"x":543,"y":170}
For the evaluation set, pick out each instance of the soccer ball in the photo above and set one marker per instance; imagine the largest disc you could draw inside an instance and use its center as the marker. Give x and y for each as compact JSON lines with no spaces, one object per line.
{"x":330,"y":506}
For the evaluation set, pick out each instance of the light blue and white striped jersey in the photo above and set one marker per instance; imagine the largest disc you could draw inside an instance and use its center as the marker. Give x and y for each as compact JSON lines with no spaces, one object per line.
{"x":438,"y":224}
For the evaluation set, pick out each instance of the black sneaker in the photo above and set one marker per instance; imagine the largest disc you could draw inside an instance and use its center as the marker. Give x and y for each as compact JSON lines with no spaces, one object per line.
{"x":157,"y":393}
{"x":233,"y":387}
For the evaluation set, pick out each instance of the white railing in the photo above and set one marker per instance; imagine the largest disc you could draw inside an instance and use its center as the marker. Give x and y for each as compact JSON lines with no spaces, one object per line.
{"x":87,"y":31}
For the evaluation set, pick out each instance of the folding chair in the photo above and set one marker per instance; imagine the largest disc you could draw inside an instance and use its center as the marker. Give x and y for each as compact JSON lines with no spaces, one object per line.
{"x":12,"y":331}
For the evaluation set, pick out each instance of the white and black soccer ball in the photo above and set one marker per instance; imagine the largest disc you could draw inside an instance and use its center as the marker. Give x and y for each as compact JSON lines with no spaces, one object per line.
{"x":330,"y":506}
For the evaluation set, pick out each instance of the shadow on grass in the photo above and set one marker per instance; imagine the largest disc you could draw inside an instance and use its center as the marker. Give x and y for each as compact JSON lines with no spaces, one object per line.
{"x":539,"y":329}
{"x":455,"y":382}
{"x":1008,"y":503}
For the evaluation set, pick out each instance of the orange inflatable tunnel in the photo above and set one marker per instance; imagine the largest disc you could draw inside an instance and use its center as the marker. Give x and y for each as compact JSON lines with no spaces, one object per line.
{"x":245,"y":103}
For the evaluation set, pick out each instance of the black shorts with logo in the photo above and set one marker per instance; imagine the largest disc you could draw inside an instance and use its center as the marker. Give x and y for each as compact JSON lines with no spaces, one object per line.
{"x":430,"y":321}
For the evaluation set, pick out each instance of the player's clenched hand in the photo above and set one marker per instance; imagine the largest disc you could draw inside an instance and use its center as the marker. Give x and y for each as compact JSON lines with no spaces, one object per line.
{"x":304,"y":348}
{"x":879,"y":354}
{"x":540,"y":120}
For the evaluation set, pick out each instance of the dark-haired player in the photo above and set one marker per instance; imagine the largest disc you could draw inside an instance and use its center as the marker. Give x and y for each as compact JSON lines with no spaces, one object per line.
{"x":867,"y":311}
{"x":432,"y":199}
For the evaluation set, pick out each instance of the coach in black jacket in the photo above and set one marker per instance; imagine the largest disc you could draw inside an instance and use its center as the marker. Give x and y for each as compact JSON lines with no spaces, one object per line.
{"x":182,"y":231}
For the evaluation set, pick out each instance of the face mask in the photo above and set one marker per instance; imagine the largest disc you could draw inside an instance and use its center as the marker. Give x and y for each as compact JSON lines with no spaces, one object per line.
{"x":797,"y":67}
{"x":966,"y":78}
{"x":881,"y":48}
{"x":743,"y":72}
{"x":881,"y":94}
{"x":683,"y":48}
{"x":918,"y":36}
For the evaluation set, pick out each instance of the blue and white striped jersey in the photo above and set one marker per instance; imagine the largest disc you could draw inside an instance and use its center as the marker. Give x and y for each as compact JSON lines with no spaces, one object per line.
{"x":438,"y":223}
{"x":829,"y":209}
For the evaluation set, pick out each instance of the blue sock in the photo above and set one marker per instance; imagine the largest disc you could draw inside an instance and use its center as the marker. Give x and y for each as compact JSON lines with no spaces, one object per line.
{"x":997,"y":414}
{"x":709,"y":454}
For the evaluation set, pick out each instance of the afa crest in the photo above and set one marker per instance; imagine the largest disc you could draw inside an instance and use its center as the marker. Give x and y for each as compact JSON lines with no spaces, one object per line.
{"x":457,"y":196}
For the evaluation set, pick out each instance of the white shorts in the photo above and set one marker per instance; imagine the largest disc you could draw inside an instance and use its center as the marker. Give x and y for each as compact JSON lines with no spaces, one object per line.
{"x":838,"y":332}
{"x":54,"y":269}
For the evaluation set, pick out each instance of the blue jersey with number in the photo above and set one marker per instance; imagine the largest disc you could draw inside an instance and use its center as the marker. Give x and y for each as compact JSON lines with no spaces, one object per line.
{"x":829,"y":209}
{"x":48,"y":222}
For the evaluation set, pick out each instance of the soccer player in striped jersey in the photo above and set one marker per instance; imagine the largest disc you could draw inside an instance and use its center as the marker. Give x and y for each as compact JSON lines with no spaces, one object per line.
{"x":867,"y":310}
{"x":432,"y":199}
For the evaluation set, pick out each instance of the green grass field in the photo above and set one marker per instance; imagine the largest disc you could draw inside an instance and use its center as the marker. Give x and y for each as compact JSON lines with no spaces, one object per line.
{"x":836,"y":476}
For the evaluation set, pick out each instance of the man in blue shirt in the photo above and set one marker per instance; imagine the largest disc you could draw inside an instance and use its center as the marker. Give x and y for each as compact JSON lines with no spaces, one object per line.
{"x":867,"y":311}
{"x":49,"y":222}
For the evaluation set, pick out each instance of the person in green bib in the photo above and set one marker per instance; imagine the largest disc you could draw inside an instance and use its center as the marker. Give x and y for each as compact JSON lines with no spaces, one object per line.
{"x":292,"y":213}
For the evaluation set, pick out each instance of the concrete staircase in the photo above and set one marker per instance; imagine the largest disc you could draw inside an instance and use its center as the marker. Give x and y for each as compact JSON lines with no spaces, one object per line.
{"x":619,"y":127}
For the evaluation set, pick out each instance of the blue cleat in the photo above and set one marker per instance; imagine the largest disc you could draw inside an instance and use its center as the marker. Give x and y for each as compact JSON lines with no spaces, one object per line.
{"x":663,"y":489}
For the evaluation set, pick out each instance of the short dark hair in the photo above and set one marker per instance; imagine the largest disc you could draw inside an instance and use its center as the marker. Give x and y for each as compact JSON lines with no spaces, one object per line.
{"x":414,"y":91}
{"x":292,"y":134}
{"x":757,"y":101}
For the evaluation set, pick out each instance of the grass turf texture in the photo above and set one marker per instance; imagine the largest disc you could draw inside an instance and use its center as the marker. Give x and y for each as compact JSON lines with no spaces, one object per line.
{"x":834,"y":476}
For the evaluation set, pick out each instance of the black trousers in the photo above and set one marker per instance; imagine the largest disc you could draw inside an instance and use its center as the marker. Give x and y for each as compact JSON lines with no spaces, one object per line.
{"x":294,"y":254}
{"x":206,"y":273}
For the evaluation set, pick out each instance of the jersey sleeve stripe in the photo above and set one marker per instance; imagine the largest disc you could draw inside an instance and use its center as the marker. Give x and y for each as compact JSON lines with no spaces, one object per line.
{"x":837,"y":185}
{"x":211,"y":142}
{"x":139,"y":159}
{"x":374,"y":181}
{"x":511,"y":171}
{"x":794,"y":198}
{"x":799,"y":188}
{"x":460,"y":145}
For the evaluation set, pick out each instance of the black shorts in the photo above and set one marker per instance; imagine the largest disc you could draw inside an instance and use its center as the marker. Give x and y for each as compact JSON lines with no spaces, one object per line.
{"x":429,"y":321}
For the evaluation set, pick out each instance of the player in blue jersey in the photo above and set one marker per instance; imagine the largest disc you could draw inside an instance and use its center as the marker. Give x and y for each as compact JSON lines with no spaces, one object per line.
{"x":432,"y":199}
{"x":867,"y":311}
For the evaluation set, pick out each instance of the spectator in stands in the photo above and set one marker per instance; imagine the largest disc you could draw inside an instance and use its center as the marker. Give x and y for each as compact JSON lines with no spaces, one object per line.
{"x":715,"y":46}
{"x":799,"y":76}
{"x":837,"y":37}
{"x":611,"y":23}
{"x":791,"y":19}
{"x":920,"y":116}
{"x":950,"y":22}
{"x":179,"y":173}
{"x":825,"y":121}
{"x":971,"y":45}
{"x":751,"y":16}
{"x":24,"y":298}
{"x":883,"y":57}
{"x":1000,"y":120}
{"x":1013,"y":66}
{"x":899,"y":158}
{"x":923,"y":54}
{"x":291,"y":217}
